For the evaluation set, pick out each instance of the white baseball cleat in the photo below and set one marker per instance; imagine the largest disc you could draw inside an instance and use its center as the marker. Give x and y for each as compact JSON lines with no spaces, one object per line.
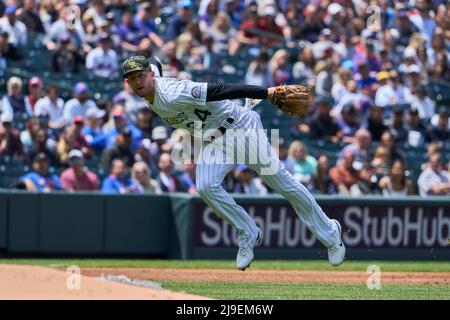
{"x":245,"y":254}
{"x":336,"y":253}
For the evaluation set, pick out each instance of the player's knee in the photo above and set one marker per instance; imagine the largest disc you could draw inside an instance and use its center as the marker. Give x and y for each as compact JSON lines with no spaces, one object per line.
{"x":206,"y":190}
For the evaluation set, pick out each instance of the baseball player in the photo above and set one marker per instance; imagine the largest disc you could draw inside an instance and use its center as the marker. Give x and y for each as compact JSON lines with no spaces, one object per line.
{"x":184,"y":104}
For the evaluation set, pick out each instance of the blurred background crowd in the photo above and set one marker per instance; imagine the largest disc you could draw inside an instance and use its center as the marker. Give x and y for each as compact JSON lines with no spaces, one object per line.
{"x":379,"y":123}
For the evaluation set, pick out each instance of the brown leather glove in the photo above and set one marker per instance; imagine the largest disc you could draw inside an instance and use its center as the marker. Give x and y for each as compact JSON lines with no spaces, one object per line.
{"x":291,"y":99}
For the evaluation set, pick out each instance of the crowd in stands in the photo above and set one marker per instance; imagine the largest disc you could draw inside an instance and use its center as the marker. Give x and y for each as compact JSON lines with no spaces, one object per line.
{"x":371,"y":83}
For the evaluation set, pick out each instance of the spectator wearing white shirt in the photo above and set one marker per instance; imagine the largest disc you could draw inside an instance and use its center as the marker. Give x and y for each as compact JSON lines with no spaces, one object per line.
{"x":16,"y":29}
{"x":422,"y":103}
{"x":64,"y":25}
{"x":97,"y":12}
{"x":103,"y":60}
{"x":79,"y":104}
{"x":14,"y":102}
{"x":393,"y":92}
{"x":414,"y":77}
{"x":339,"y":88}
{"x":52,"y":106}
{"x":434,"y":180}
{"x":258,"y":73}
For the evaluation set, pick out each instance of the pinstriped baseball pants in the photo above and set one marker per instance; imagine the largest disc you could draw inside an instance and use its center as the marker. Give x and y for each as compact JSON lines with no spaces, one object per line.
{"x":210,"y":174}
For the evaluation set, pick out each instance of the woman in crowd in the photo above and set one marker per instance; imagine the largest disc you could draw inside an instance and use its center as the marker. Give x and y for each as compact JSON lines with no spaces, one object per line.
{"x":280,"y":69}
{"x":387,"y":140}
{"x":321,"y":179}
{"x":141,"y":173}
{"x":396,"y":184}
{"x":258,"y":73}
{"x":304,"y":164}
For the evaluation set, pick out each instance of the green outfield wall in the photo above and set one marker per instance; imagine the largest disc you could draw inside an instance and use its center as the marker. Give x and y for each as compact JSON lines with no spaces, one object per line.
{"x":79,"y":224}
{"x":181,"y":226}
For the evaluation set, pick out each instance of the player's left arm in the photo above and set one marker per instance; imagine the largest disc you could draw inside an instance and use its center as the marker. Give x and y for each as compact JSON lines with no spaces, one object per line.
{"x":186,"y":92}
{"x":220,"y":91}
{"x":292,"y":99}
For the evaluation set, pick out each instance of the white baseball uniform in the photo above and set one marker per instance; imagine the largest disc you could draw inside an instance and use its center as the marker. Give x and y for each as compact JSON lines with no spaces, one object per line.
{"x":182,"y":103}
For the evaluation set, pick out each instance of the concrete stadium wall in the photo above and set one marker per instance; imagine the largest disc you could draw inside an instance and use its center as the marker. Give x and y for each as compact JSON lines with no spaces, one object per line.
{"x":183,"y":227}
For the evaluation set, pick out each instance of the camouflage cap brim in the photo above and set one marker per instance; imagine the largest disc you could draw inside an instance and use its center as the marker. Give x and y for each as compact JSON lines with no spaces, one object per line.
{"x":133,"y":70}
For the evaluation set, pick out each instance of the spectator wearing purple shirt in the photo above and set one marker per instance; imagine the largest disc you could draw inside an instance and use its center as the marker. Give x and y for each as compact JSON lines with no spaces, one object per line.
{"x":348,"y":123}
{"x":143,"y":21}
{"x":133,"y":38}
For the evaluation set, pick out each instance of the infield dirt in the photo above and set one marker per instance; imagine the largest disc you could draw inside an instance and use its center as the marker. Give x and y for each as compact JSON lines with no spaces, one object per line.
{"x":284,"y":276}
{"x":39,"y":283}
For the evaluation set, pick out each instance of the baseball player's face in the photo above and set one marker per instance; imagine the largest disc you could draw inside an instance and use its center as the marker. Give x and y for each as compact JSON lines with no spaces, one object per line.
{"x":141,"y":82}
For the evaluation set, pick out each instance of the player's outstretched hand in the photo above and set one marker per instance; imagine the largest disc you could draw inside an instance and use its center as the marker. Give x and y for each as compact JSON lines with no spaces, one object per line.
{"x":291,"y":99}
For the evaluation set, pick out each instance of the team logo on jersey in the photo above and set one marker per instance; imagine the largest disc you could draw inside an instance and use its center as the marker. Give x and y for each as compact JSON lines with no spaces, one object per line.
{"x":177,"y":119}
{"x":196,"y":92}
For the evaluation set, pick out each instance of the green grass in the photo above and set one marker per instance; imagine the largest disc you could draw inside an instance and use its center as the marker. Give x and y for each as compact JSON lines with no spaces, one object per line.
{"x":286,"y":291}
{"x":283,"y":291}
{"x":229,"y":264}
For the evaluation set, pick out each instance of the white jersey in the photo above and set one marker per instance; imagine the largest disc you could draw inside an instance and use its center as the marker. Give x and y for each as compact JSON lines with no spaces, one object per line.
{"x":103,"y":64}
{"x":182,"y":104}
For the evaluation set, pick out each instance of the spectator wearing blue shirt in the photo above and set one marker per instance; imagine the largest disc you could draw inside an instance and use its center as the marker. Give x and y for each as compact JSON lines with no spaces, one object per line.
{"x":188,"y":177}
{"x":118,"y":182}
{"x":234,"y":8}
{"x":92,"y":129}
{"x":366,"y":79}
{"x":40,"y":179}
{"x":120,"y":123}
{"x":180,"y":21}
{"x":143,"y":21}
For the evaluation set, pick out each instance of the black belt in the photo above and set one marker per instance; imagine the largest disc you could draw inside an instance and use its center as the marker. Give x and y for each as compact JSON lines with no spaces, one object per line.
{"x":223,"y":129}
